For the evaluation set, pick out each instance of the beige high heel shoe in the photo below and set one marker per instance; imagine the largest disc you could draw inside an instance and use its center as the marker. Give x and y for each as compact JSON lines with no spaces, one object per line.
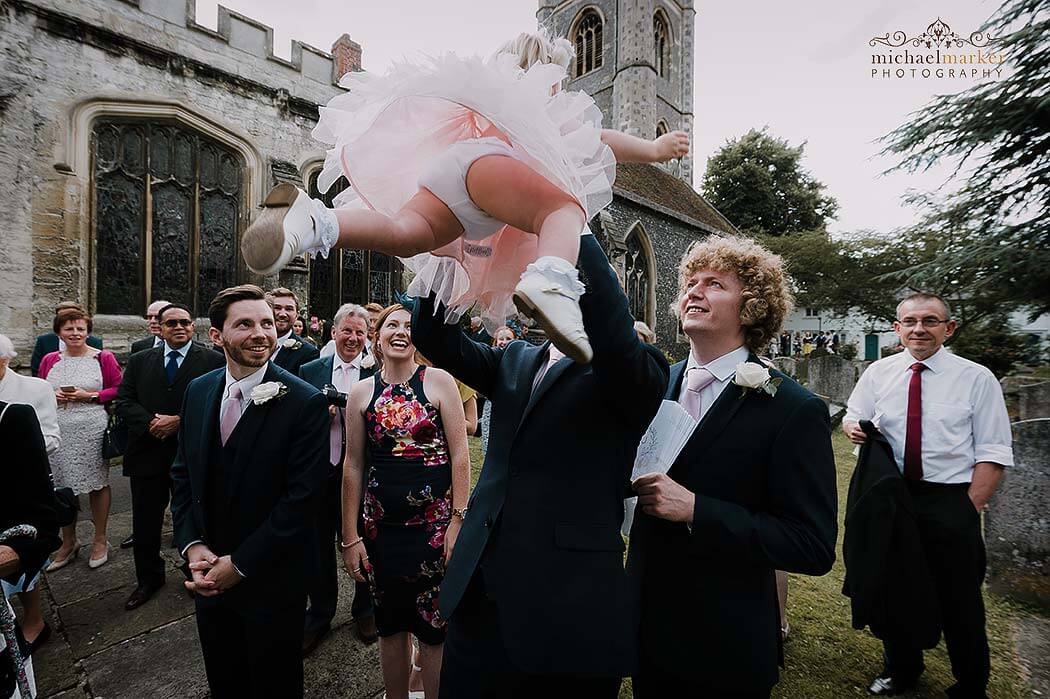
{"x":60,"y":563}
{"x":99,"y":562}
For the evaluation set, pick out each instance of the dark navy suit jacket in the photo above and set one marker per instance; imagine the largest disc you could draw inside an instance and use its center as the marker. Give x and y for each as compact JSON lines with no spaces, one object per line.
{"x":763,"y":473}
{"x":271,"y":491}
{"x":543,"y":523}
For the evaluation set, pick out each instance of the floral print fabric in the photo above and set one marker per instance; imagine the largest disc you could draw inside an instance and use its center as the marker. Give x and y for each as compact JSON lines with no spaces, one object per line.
{"x":407,"y":507}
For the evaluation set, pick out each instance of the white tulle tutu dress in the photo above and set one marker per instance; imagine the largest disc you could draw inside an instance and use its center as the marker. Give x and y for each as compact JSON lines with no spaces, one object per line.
{"x":422,"y":124}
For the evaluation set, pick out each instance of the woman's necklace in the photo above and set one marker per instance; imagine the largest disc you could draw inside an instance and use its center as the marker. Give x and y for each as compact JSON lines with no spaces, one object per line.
{"x":408,"y":378}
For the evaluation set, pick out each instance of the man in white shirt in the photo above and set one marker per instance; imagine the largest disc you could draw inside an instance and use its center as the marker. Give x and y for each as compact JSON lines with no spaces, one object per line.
{"x":945,"y":418}
{"x":336,"y":375}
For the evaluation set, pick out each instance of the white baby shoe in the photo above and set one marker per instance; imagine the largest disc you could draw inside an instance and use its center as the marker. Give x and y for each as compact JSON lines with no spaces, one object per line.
{"x":549,"y":293}
{"x":290,"y":225}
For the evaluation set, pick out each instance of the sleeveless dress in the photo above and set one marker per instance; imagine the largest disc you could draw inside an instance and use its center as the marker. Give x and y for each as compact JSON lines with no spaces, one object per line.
{"x":78,"y":462}
{"x":423,"y":123}
{"x":407,"y":507}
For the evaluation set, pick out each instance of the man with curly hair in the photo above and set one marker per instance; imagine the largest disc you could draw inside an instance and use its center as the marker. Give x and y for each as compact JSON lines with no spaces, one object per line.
{"x":752,"y":491}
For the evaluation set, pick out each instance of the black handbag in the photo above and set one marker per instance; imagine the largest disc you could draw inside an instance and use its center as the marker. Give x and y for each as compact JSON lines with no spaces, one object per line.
{"x":115,"y":438}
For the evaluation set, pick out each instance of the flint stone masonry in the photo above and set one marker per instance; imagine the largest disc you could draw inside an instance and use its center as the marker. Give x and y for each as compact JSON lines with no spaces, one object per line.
{"x":1017,"y":526}
{"x":58,"y":56}
{"x":832,"y":377}
{"x":1034,"y":400}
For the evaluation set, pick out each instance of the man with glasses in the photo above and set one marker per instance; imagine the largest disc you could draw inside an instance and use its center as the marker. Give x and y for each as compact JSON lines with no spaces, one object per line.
{"x":149,"y":401}
{"x":945,"y":419}
{"x":155,"y":339}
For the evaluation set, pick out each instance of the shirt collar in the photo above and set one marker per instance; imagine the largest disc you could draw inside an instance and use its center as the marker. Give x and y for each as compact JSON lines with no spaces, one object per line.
{"x":723,"y":367}
{"x":338,"y":362}
{"x":158,"y":341}
{"x":184,"y":350}
{"x":247,"y":384}
{"x":284,"y":337}
{"x":934,"y":362}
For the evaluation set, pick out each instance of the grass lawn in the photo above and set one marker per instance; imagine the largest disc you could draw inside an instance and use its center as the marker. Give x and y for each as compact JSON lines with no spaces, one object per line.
{"x":825,"y":658}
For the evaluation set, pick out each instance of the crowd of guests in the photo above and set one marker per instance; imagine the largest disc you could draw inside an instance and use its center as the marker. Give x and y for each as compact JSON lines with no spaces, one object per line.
{"x":801,"y":344}
{"x":355,"y":437}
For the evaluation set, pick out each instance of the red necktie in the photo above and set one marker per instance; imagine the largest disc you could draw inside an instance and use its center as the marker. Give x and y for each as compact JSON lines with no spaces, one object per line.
{"x":913,"y":435}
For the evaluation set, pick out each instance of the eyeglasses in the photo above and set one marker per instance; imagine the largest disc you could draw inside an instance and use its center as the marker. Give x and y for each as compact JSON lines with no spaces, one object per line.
{"x":926,"y":322}
{"x":178,"y":322}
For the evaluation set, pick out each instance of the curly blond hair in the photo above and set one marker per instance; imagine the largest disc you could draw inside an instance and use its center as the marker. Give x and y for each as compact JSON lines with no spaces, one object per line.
{"x":767,"y":298}
{"x":539,"y":46}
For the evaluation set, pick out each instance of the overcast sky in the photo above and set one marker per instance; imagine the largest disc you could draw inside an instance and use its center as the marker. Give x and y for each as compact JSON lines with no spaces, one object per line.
{"x":802,"y":69}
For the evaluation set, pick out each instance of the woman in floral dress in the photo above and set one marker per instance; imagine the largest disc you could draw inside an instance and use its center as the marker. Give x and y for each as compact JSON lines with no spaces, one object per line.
{"x":414,"y":501}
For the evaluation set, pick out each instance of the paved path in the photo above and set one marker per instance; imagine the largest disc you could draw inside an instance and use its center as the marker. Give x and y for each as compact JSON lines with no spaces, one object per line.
{"x":100,"y":650}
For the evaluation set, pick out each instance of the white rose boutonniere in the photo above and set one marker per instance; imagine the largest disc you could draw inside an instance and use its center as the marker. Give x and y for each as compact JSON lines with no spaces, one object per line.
{"x":368,"y":361}
{"x":268,"y":391}
{"x":291,"y":343}
{"x":755,"y":377}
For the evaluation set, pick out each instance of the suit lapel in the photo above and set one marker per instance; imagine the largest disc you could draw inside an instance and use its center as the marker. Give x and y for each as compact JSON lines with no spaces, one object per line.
{"x":212,"y":397}
{"x":247,"y":430}
{"x":531,"y":367}
{"x":717,"y":417}
{"x":191,"y":357}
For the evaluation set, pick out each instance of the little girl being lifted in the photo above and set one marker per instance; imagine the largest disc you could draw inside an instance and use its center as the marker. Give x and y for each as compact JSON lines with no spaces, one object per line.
{"x":480,"y":174}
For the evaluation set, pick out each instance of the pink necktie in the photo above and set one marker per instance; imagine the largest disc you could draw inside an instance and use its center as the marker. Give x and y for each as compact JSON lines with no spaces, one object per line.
{"x":336,"y":433}
{"x":695,"y":381}
{"x":231,"y":413}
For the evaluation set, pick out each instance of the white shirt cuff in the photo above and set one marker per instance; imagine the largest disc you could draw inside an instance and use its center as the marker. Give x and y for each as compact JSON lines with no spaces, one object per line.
{"x":187,"y":546}
{"x":996,"y":453}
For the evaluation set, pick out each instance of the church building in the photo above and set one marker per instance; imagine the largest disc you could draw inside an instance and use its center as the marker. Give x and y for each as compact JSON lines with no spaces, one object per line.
{"x":140,"y":143}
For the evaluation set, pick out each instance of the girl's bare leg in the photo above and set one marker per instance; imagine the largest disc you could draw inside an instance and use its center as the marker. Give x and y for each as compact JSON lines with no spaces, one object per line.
{"x":512,"y":192}
{"x":550,"y":288}
{"x":422,"y":225}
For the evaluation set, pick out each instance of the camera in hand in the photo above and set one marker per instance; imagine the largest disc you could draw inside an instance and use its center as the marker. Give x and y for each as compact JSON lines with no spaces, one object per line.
{"x":333,"y":396}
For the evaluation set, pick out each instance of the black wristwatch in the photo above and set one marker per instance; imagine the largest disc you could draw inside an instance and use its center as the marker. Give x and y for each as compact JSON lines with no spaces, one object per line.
{"x":94,"y":398}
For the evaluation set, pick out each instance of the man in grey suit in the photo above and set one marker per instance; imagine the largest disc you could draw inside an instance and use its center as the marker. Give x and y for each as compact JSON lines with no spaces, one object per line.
{"x":335,"y":376}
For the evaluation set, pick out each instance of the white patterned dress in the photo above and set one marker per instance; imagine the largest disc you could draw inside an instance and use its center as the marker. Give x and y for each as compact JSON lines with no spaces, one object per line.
{"x":78,"y":463}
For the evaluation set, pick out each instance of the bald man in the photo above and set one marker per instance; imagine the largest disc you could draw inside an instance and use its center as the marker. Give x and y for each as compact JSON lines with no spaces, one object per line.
{"x":154,"y":338}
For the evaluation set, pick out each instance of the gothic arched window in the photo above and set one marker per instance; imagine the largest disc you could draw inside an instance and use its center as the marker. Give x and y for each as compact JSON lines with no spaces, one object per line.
{"x":638,"y":277}
{"x":661,"y":128}
{"x":587,"y":38}
{"x":167,"y":204}
{"x":662,"y":45}
{"x":349,"y":276}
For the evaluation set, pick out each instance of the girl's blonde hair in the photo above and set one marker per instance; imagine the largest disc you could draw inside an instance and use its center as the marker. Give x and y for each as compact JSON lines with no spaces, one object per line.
{"x":530,"y":48}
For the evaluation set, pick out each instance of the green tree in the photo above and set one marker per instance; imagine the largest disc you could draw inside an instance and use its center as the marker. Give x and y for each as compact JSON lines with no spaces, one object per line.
{"x":998,"y":134}
{"x":758,"y":183}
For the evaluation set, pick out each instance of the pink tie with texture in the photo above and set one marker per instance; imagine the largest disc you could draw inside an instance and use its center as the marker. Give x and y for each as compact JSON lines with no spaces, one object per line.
{"x":231,"y":413}
{"x":695,"y":381}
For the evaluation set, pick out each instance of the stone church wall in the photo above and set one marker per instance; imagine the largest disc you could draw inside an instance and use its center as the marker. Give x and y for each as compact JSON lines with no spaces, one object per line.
{"x":62,"y":62}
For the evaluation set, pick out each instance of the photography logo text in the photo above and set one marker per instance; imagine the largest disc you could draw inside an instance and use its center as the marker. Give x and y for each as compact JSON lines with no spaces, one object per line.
{"x":937,"y":53}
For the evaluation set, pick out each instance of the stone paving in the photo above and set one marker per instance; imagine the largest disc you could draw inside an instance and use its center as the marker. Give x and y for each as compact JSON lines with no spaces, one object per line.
{"x":99,"y":650}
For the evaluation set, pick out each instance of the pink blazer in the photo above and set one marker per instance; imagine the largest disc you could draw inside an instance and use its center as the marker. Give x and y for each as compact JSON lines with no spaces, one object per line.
{"x":110,"y":372}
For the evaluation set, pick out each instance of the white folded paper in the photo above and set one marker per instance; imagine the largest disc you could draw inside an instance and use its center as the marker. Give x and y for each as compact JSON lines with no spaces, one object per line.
{"x":660,"y":445}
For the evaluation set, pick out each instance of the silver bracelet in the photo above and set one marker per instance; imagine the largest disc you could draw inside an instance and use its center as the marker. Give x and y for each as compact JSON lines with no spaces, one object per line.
{"x":353,"y":543}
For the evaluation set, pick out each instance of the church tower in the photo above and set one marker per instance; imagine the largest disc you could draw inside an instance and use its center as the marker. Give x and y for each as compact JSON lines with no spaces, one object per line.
{"x":635,"y":58}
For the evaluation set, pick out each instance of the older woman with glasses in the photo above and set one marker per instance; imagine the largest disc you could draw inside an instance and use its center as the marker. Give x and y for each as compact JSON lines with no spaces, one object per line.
{"x":84,"y":380}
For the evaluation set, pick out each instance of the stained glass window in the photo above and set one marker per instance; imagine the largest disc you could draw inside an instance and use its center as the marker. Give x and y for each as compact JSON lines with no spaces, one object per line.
{"x":167,"y":212}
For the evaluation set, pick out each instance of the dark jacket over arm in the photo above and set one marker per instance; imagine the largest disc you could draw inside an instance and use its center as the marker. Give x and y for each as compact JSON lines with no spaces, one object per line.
{"x":26,"y":492}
